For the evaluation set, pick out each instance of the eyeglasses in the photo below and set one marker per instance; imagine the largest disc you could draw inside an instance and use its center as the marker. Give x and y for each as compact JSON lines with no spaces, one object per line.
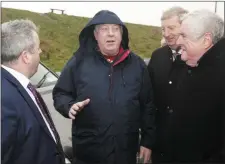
{"x":106,"y":29}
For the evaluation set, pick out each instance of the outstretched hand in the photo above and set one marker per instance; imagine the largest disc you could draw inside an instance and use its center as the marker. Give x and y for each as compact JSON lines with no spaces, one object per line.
{"x":77,"y":107}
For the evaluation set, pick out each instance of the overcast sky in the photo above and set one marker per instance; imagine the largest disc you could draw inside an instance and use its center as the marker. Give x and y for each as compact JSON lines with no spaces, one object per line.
{"x":148,"y":13}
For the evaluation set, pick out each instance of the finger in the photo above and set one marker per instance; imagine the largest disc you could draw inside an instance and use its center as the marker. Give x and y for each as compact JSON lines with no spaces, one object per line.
{"x":83,"y":103}
{"x":146,"y":159}
{"x":79,"y":105}
{"x":75,"y":107}
{"x":71,"y":116}
{"x":141,"y":153}
{"x":146,"y":156}
{"x":73,"y":112}
{"x":86,"y":102}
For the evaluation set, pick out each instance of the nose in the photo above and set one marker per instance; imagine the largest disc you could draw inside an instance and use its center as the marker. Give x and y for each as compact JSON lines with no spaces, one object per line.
{"x":166,"y":33}
{"x":179,"y":41}
{"x":110,"y":32}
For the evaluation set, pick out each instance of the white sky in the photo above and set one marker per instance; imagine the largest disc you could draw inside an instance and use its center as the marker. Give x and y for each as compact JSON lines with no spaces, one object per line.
{"x":147,"y":13}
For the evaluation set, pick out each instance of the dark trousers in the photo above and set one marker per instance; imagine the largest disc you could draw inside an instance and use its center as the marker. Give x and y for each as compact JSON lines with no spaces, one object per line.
{"x":164,"y":158}
{"x":110,"y":160}
{"x":158,"y":158}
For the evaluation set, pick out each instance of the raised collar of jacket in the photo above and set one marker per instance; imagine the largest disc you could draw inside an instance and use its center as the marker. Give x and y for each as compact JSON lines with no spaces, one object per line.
{"x":24,"y":81}
{"x":215,"y":53}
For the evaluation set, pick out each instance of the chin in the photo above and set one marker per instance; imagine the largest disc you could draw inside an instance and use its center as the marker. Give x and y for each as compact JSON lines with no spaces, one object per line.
{"x":112,"y":51}
{"x":173,"y":45}
{"x":191,"y":64}
{"x":31,"y":75}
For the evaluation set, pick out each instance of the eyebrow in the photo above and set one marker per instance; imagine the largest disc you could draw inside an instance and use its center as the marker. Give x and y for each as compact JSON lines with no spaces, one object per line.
{"x":170,"y":26}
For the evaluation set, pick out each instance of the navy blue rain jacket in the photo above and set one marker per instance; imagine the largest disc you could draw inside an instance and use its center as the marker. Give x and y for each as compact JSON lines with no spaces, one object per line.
{"x":120,"y":98}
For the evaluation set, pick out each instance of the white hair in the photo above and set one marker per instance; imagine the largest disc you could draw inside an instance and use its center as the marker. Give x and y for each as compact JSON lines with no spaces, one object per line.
{"x":174,"y":11}
{"x":163,"y":42}
{"x":203,"y":21}
{"x":17,"y":36}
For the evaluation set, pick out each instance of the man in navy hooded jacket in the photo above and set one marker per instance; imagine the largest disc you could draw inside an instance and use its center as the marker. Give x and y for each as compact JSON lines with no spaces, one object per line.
{"x":105,"y":88}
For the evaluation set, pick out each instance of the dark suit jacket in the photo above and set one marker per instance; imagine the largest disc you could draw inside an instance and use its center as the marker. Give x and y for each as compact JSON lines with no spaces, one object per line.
{"x":25,"y":138}
{"x":163,"y":71}
{"x":191,"y":107}
{"x":165,"y":75}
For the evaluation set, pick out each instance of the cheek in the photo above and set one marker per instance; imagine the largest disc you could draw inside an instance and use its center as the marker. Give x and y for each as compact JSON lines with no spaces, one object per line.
{"x":100,"y":39}
{"x":101,"y":43}
{"x":119,"y":38}
{"x":175,"y":35}
{"x":192,"y":49}
{"x":36,"y":58}
{"x":184,"y":56}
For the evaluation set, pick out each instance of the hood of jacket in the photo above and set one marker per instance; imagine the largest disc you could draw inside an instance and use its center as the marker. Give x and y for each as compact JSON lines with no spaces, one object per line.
{"x":86,"y":37}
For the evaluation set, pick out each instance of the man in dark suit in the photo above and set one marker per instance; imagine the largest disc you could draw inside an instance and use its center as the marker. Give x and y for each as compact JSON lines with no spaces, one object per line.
{"x":165,"y":68}
{"x":199,"y":115}
{"x":28,"y":135}
{"x":191,"y":98}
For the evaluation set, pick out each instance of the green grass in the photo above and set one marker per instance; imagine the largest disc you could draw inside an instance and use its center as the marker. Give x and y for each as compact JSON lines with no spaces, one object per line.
{"x":59,"y":35}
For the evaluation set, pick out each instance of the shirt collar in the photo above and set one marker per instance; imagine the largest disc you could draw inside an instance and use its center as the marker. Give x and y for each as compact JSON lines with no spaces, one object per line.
{"x":175,"y":52}
{"x":24,"y":81}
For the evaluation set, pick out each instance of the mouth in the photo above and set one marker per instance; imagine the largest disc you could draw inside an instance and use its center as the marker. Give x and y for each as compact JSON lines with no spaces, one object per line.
{"x":110,"y":41}
{"x":183,"y":49}
{"x":169,"y":38}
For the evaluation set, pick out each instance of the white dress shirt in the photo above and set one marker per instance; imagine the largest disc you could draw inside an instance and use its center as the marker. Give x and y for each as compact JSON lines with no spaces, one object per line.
{"x":175,"y":53}
{"x":24,"y":81}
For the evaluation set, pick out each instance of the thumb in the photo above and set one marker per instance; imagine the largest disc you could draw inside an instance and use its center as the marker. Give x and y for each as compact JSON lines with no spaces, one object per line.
{"x":81,"y":104}
{"x":141,"y":153}
{"x":85,"y":102}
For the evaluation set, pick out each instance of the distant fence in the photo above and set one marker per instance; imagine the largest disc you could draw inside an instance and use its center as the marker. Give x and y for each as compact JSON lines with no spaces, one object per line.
{"x":62,"y":11}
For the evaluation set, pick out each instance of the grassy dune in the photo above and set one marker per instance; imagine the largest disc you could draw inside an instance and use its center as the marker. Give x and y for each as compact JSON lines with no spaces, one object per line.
{"x":59,"y":35}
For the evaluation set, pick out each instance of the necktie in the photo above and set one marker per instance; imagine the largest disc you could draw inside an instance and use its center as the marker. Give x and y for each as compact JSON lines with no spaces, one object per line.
{"x":46,"y":114}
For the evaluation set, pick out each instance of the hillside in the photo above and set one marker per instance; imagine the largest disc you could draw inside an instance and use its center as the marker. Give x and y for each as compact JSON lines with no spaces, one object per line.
{"x":59,"y":35}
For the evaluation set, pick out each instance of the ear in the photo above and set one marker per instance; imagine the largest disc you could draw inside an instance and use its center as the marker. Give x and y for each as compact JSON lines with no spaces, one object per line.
{"x":26,"y":57}
{"x":208,"y":40}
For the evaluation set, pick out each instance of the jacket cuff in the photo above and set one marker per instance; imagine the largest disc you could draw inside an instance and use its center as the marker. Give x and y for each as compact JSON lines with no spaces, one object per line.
{"x":147,"y":141}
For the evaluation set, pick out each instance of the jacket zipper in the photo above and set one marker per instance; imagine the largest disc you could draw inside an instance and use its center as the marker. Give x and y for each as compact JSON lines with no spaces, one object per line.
{"x":111,"y":76}
{"x":110,"y":82}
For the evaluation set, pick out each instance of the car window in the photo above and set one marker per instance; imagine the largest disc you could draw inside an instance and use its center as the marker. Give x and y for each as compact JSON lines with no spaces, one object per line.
{"x":41,"y":72}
